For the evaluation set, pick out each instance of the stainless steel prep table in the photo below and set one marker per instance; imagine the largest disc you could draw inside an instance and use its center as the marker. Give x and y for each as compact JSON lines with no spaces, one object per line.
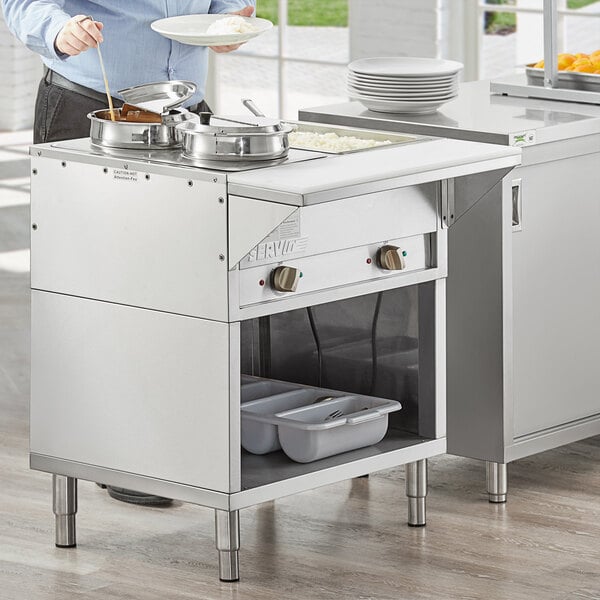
{"x":523,"y":287}
{"x":146,"y":267}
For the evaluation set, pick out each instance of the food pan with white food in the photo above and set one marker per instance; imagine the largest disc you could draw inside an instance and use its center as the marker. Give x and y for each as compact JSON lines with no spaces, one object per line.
{"x":329,"y":139}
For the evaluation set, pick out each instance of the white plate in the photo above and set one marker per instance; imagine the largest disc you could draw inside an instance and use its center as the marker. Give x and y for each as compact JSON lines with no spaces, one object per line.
{"x":406,"y":66}
{"x":396,"y":94}
{"x":400,"y":107}
{"x":402,"y":84}
{"x":191,"y":29}
{"x":400,"y":89}
{"x":402,"y":80}
{"x":397,"y":98}
{"x":408,"y":88}
{"x":402,"y":96}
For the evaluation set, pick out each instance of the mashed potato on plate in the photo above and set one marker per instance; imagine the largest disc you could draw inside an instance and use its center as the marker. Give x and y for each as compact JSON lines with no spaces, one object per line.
{"x":229,"y":26}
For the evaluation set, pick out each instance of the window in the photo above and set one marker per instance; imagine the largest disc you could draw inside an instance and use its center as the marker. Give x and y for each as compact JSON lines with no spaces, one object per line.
{"x":511,"y":32}
{"x":300,"y":63}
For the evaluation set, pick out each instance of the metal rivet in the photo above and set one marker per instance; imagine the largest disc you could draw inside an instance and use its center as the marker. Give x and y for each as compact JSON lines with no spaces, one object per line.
{"x":34,"y":226}
{"x":215,"y":180}
{"x":105,"y":170}
{"x":190,"y":183}
{"x":221,"y":257}
{"x":221,"y":200}
{"x":63,"y":163}
{"x":147,"y":176}
{"x":34,"y":171}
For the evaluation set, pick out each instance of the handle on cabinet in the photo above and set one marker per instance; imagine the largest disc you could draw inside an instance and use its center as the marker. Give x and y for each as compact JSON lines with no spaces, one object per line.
{"x":517,"y":205}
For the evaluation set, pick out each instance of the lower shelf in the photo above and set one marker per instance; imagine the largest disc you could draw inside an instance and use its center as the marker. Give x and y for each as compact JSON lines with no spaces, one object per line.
{"x":265,"y":477}
{"x":272,"y":476}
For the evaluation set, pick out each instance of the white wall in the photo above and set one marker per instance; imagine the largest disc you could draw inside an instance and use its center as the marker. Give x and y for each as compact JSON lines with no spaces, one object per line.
{"x":395,"y":28}
{"x":430,"y":28}
{"x":20,"y":73}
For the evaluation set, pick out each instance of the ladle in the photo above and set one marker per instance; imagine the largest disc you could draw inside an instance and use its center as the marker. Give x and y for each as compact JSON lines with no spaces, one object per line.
{"x":111,"y":108}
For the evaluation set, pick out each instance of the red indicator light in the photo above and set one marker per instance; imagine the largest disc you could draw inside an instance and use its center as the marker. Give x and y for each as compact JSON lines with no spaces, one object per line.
{"x":261,"y":282}
{"x":369,"y":261}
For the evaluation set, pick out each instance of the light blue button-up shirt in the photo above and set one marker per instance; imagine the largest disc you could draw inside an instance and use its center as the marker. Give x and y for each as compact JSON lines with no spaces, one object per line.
{"x":133,"y":53}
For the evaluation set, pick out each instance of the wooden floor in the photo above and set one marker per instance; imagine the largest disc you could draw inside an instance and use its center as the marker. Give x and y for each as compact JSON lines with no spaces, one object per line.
{"x":345,"y":541}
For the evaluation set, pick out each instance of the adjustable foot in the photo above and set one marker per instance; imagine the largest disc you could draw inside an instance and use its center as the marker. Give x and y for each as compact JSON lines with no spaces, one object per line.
{"x":227,"y":529}
{"x":64,"y":505}
{"x":497,"y":482}
{"x":416,"y":491}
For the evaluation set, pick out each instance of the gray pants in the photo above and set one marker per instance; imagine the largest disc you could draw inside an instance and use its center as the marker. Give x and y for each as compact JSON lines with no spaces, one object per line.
{"x":61,"y":113}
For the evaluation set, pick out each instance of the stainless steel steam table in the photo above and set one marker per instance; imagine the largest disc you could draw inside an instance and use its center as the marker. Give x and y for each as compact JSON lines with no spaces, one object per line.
{"x":144,"y":267}
{"x":524,"y":282}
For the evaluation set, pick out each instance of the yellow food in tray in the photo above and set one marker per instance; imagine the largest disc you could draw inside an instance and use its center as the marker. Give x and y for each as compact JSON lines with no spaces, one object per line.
{"x":578,"y":63}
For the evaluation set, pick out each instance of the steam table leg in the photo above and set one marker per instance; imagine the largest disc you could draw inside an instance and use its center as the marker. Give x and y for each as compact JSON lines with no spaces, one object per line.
{"x":227,"y":528}
{"x":64,"y":505}
{"x":497,"y":481}
{"x":416,"y":491}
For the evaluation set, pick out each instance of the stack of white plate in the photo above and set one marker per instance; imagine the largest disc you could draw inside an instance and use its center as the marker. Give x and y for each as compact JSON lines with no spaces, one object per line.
{"x":403,"y":84}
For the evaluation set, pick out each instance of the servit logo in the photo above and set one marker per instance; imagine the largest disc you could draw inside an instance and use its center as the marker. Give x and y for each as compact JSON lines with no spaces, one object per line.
{"x":277,"y":249}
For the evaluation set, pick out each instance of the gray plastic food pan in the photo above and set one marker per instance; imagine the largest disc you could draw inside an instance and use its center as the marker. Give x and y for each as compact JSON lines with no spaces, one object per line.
{"x":261,"y":388}
{"x":259,"y":432}
{"x":313,"y":432}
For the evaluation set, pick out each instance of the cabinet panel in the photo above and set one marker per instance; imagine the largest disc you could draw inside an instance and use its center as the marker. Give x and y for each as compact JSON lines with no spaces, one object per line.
{"x":120,"y":237}
{"x":133,"y":390}
{"x":556,"y":266}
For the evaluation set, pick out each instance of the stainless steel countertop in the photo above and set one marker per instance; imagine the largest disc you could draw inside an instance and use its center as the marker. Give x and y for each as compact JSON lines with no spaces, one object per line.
{"x":478,"y":115}
{"x":383,"y":168}
{"x":311,"y":177}
{"x":174,"y":157}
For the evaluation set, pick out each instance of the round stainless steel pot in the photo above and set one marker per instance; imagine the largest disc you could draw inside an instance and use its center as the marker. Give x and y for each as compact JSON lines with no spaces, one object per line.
{"x":138,"y":136}
{"x":235,"y":143}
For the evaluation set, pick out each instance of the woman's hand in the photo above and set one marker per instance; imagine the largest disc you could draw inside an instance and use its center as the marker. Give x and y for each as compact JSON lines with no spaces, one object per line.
{"x":248,"y":11}
{"x":78,"y":35}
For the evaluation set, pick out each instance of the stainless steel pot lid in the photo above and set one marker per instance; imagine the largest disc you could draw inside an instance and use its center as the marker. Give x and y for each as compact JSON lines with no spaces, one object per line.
{"x":239,"y":125}
{"x":159,"y":97}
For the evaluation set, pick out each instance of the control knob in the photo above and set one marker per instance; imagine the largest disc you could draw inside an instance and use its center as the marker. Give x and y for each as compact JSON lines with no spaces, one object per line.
{"x":285,"y":279}
{"x":391,"y":258}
